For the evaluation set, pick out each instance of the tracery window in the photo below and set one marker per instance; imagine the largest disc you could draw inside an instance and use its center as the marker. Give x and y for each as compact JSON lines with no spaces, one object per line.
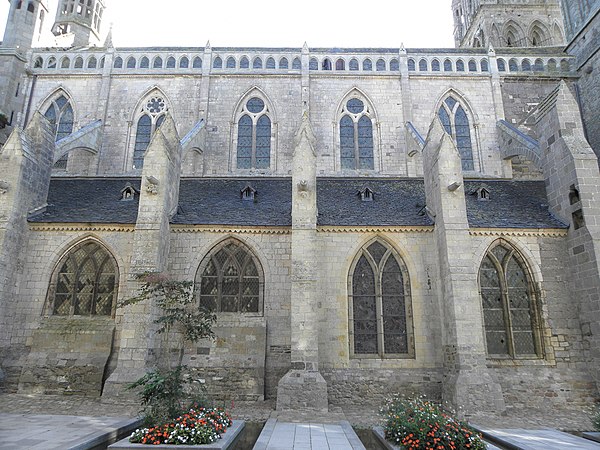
{"x":356,"y":136}
{"x":456,"y":123}
{"x":85,"y":282}
{"x":60,"y":115}
{"x":229,"y":280}
{"x":152,"y":116}
{"x":379,"y":304}
{"x":510,"y":312}
{"x":254,"y":136}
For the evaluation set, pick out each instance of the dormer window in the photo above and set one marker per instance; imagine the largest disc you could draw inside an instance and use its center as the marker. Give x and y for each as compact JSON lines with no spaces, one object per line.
{"x":248,"y":193}
{"x":482,"y":193}
{"x":128,"y":193}
{"x":366,"y":194}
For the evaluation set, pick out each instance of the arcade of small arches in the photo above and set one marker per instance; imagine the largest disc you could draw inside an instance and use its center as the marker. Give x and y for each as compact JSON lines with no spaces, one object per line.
{"x":230,"y":280}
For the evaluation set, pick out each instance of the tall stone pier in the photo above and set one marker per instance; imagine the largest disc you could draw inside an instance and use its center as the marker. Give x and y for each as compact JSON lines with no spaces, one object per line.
{"x":303,"y":387}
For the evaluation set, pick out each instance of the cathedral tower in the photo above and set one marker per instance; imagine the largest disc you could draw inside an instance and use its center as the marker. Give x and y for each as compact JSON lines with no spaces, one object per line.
{"x":508,"y":23}
{"x":78,"y":22}
{"x":25,"y":23}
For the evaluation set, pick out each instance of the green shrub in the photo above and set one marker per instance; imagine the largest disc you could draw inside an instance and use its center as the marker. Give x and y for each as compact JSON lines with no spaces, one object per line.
{"x":417,"y":424}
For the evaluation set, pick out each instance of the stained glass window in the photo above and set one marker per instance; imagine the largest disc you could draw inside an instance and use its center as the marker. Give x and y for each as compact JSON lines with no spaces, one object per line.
{"x":380,"y":65}
{"x":257,"y":63}
{"x":92,"y":63}
{"x":244,"y":63}
{"x":283,"y":63}
{"x":230,"y":63}
{"x":270,"y":63}
{"x":78,"y":63}
{"x":379,"y":304}
{"x":340,"y":64}
{"x":229,"y":281}
{"x":60,"y":115}
{"x":472,"y":66}
{"x":157,"y":63}
{"x":456,"y":123}
{"x":297,"y":64}
{"x":144,"y":63}
{"x":184,"y":62}
{"x":509,"y":311}
{"x":85,"y":283}
{"x":411,"y":65}
{"x":356,"y":136}
{"x":254,"y":136}
{"x":197,"y":63}
{"x":447,"y":65}
{"x":501,"y":65}
{"x":65,"y":63}
{"x":313,"y":64}
{"x":460,"y":65}
{"x":423,"y":65}
{"x":367,"y":65}
{"x":171,"y":63}
{"x":152,"y":116}
{"x":353,"y":64}
{"x":435,"y":65}
{"x":131,"y":62}
{"x":485,"y":67}
{"x":394,"y":65}
{"x":118,"y":64}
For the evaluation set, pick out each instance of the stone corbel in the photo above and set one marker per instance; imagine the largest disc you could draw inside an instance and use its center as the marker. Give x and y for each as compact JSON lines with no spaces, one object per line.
{"x":152,"y":185}
{"x":303,"y":188}
{"x":4,"y":187}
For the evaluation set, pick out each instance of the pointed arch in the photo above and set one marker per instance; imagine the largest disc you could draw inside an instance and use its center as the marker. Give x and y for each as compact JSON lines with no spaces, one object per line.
{"x":510,"y":303}
{"x":358,"y":135}
{"x":58,"y":107}
{"x":513,"y":35}
{"x":539,"y":35}
{"x":460,"y":122}
{"x":254,"y":132}
{"x":230,"y":279}
{"x":379,"y":303}
{"x":84,"y":281}
{"x":148,"y":115}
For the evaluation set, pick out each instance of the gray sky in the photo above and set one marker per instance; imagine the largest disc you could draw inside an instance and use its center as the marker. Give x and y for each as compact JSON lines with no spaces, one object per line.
{"x":277,"y":23}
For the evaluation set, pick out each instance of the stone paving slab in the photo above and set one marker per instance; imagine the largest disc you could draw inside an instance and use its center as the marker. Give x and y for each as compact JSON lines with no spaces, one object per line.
{"x":307,"y":436}
{"x":546,"y":439}
{"x":45,"y":432}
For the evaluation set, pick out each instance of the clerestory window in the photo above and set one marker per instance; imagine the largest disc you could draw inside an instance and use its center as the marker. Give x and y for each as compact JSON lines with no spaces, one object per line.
{"x":60,"y":115}
{"x":254,"y":136}
{"x":152,"y":116}
{"x":456,"y":123}
{"x":510,"y":312}
{"x":356,"y":136}
{"x":229,"y":280}
{"x":84,"y":283}
{"x":380,"y":304}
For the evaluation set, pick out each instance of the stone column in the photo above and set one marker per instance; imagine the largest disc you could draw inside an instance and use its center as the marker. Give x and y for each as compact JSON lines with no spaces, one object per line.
{"x":467,"y":381}
{"x":572,"y":185}
{"x":159,"y":196}
{"x":25,"y":166}
{"x":303,"y":387}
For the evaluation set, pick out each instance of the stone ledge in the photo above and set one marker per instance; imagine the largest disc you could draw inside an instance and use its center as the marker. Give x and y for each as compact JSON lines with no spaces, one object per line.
{"x":103,"y":437}
{"x":226,"y":442}
{"x":592,"y":436}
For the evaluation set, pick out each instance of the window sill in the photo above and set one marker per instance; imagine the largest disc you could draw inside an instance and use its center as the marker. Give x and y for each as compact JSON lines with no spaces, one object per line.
{"x":497,"y":363}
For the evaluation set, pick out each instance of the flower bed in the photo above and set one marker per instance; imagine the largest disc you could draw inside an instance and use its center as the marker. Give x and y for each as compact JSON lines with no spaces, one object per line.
{"x":418,"y":424}
{"x":197,"y":427}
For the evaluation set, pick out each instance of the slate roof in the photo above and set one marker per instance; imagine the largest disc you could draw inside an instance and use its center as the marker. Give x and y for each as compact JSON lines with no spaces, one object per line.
{"x":217,"y":201}
{"x":93,"y":200}
{"x":395,"y":203}
{"x":512,"y":204}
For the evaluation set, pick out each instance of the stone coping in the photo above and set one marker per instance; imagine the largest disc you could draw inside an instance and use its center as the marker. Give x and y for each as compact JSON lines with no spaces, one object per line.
{"x":593,"y":436}
{"x":103,"y":437}
{"x":228,"y":438}
{"x":541,"y":439}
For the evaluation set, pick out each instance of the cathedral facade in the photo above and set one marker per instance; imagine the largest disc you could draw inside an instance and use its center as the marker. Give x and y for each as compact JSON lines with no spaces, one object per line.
{"x":362,"y":220}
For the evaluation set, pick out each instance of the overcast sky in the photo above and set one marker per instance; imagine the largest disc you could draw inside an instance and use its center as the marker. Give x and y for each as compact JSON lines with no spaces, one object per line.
{"x":277,"y":23}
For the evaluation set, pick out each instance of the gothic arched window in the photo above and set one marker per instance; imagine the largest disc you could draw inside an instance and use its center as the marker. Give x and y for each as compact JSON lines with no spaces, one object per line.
{"x":510,"y":312}
{"x":356,"y":136}
{"x":380,"y":304}
{"x":61,"y":117}
{"x":456,"y":123}
{"x":84,"y":283}
{"x":152,"y":116}
{"x":230,"y":280}
{"x":254,"y":136}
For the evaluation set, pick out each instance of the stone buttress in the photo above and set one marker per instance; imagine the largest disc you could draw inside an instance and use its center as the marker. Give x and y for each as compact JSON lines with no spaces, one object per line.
{"x":467,"y":382}
{"x":303,"y":387}
{"x":158,"y":203}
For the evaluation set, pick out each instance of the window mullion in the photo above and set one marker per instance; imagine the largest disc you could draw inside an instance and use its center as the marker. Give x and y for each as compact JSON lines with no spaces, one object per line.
{"x":507,"y":318}
{"x":356,"y":147}
{"x":379,"y":311}
{"x":254,"y":122}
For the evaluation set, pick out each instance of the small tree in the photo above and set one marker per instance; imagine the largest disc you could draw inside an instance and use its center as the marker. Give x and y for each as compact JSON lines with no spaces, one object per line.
{"x":165,"y":389}
{"x":596,"y":417}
